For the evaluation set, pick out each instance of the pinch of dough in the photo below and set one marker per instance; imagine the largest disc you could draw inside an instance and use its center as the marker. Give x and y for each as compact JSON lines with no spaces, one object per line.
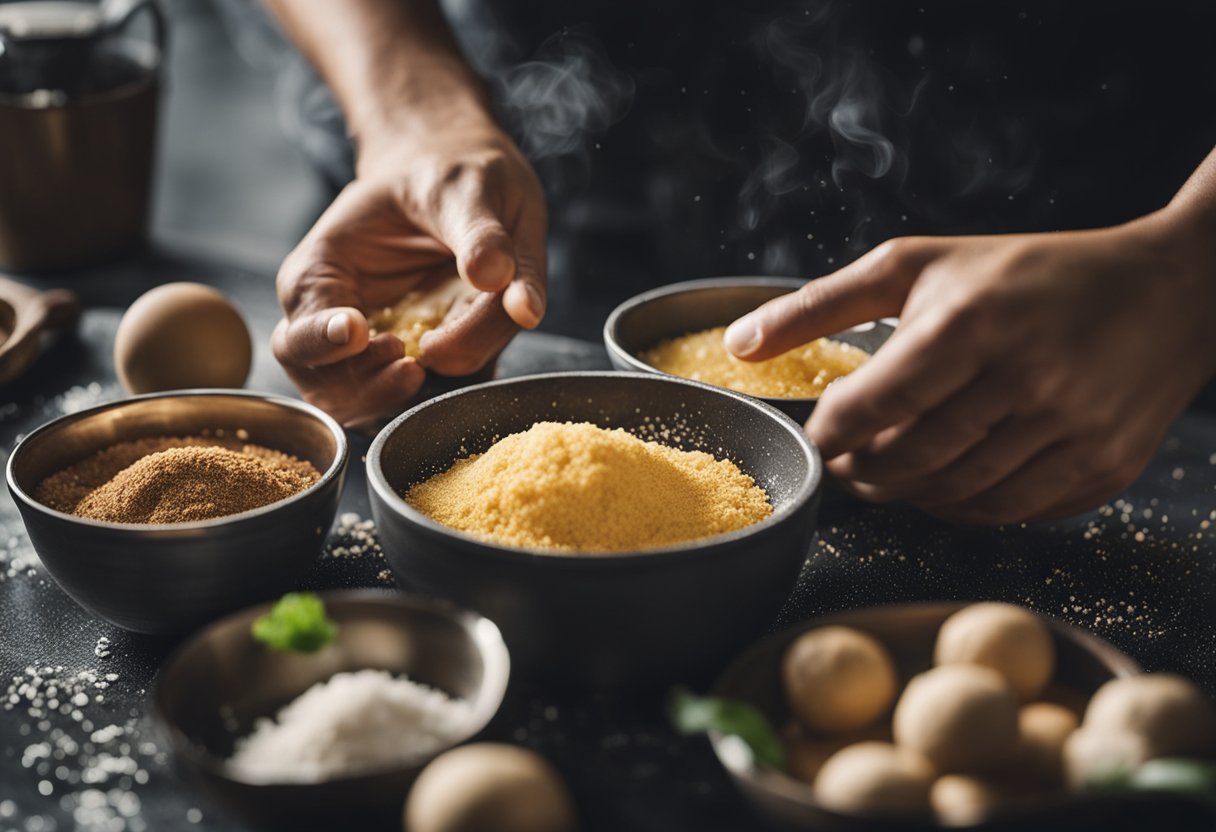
{"x":875,"y":777}
{"x":837,"y":680}
{"x":418,"y":312}
{"x":1009,"y":639}
{"x":489,"y":787}
{"x":1043,"y":728}
{"x":963,"y":718}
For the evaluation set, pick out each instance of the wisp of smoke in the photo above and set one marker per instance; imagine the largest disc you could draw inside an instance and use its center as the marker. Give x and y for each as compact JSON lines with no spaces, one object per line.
{"x":566,"y":93}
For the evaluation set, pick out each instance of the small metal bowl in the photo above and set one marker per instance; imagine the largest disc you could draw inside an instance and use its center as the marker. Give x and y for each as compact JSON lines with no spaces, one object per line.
{"x":908,"y":631}
{"x":613,"y":623}
{"x":213,"y":689}
{"x":173,"y":577}
{"x":643,"y":321}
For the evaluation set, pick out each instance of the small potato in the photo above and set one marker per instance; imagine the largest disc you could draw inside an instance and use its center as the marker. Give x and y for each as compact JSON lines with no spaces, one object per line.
{"x":1095,"y":755}
{"x":965,"y":800}
{"x":1043,"y":728}
{"x":837,"y":680}
{"x":1173,"y":716}
{"x":805,"y":754}
{"x":963,"y":718}
{"x":489,"y":787}
{"x":875,"y":777}
{"x":1009,"y":639}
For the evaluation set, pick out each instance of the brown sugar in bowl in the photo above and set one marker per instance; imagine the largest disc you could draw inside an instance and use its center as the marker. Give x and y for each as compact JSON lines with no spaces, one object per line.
{"x":168,"y":578}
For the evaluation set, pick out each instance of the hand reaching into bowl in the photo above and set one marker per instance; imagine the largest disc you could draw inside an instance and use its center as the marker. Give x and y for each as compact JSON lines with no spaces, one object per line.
{"x":1032,"y":376}
{"x":440,"y":194}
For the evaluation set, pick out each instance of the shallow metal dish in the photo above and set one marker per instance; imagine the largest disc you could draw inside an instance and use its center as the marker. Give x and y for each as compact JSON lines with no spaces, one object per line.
{"x":605,"y":622}
{"x":173,"y":577}
{"x":223,"y":680}
{"x":670,"y":311}
{"x":909,"y":631}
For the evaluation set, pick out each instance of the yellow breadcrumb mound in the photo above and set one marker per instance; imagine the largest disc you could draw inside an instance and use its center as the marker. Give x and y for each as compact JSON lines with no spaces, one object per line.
{"x":802,"y":373}
{"x":417,"y":313}
{"x":581,"y":488}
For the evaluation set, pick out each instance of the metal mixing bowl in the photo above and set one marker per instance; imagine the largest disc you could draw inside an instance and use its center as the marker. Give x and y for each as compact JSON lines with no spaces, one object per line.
{"x":681,"y":308}
{"x":173,"y":577}
{"x":908,"y":631}
{"x":216,"y":686}
{"x":605,"y":622}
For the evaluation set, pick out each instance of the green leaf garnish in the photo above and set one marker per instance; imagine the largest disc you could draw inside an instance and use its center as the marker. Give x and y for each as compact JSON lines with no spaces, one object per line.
{"x":692,"y":714}
{"x":1175,"y":774}
{"x":297,"y":623}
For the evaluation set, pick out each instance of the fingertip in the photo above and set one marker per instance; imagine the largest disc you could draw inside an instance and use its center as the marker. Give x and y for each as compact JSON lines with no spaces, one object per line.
{"x":524,"y":303}
{"x":743,"y":337}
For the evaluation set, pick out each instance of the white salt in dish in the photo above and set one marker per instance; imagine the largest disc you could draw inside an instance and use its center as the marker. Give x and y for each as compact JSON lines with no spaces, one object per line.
{"x":350,"y":724}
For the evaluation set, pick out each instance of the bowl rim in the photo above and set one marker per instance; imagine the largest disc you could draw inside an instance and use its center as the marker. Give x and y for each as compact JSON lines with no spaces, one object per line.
{"x":335,"y":468}
{"x":787,"y":787}
{"x":617,"y":351}
{"x":701,"y":547}
{"x":485,"y":634}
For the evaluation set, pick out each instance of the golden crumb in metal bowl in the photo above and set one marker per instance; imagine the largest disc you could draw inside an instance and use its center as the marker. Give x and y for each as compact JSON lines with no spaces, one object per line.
{"x":802,"y":373}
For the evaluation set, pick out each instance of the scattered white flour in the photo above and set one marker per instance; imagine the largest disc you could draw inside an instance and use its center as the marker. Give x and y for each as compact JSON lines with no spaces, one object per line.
{"x":349,"y":724}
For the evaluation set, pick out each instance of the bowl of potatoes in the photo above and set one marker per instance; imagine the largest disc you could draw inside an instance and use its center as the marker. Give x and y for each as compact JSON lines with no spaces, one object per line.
{"x":984,"y":716}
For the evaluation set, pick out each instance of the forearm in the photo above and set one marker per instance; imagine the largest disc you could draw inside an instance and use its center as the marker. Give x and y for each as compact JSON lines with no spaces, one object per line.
{"x":394,"y":65}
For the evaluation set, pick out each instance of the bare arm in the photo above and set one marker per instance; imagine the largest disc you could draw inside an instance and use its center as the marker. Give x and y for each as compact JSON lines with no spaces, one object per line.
{"x":441,"y":193}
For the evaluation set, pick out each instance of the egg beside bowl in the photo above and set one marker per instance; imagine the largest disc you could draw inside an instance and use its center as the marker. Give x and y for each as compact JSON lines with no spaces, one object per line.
{"x":643,"y":321}
{"x":605,"y":622}
{"x":172,"y":577}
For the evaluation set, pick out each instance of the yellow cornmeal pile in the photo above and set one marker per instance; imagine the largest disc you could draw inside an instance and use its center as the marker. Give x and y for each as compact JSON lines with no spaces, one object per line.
{"x":175,"y":480}
{"x":416,"y":314}
{"x":581,"y":488}
{"x":802,"y":373}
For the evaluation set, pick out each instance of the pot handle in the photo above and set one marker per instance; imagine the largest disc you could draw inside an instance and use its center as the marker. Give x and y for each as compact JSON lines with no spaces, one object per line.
{"x":117,"y":14}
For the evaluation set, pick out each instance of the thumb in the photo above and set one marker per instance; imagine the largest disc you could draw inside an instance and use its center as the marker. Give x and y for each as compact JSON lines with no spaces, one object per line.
{"x":319,"y":338}
{"x":871,"y":287}
{"x":485,"y":255}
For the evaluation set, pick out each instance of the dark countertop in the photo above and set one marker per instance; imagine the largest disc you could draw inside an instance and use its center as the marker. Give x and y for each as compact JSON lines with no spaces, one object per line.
{"x":1140,"y":572}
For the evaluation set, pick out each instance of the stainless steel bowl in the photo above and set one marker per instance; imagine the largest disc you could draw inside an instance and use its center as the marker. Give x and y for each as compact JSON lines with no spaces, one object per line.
{"x":670,"y":311}
{"x":173,"y":577}
{"x":213,"y":689}
{"x":909,"y":631}
{"x":617,"y":622}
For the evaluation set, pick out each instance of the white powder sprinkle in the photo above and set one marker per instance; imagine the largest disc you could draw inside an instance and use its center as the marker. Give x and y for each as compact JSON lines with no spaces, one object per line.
{"x":352,"y":723}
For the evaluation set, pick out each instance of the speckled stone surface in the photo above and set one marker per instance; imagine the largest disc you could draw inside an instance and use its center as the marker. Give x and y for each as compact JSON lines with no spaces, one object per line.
{"x":1140,"y":572}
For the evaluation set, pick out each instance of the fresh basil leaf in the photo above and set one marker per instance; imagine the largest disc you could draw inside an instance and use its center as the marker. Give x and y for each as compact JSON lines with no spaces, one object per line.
{"x":693,"y":714}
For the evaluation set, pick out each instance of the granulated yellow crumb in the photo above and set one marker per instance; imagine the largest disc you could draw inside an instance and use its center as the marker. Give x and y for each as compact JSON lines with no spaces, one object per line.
{"x":581,"y":488}
{"x":416,"y":314}
{"x":802,"y":373}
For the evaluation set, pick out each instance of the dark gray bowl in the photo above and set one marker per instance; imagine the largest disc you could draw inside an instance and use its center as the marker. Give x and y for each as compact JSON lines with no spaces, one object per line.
{"x":604,"y":622}
{"x":171,"y":578}
{"x":1084,"y":662}
{"x":224,"y":668}
{"x":670,"y":311}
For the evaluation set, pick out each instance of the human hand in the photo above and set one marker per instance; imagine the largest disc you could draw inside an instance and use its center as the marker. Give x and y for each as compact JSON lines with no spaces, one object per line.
{"x":457,"y":205}
{"x":1031,"y":377}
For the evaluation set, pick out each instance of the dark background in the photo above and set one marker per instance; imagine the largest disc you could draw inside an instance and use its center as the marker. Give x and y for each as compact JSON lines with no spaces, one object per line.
{"x":680,"y":140}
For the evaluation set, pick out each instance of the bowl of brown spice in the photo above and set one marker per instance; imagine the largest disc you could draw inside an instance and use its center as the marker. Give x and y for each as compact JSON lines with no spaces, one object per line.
{"x":623,"y":530}
{"x":161,"y":512}
{"x":678,"y":329}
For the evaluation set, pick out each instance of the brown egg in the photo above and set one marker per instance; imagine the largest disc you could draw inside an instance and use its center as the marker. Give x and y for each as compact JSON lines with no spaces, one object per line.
{"x":182,"y":335}
{"x":805,"y":753}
